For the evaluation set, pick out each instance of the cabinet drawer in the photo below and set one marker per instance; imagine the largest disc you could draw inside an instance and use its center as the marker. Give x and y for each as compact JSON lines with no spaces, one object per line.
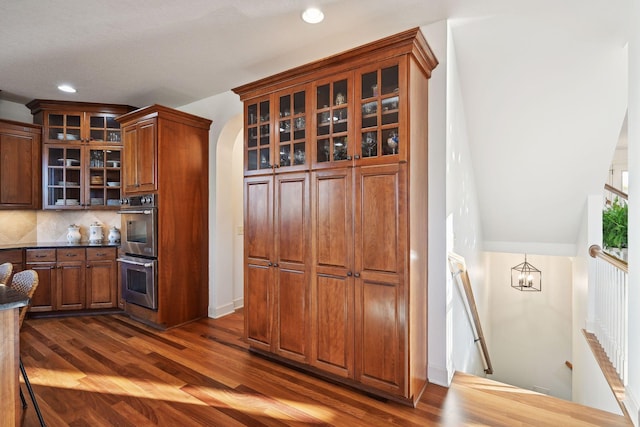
{"x":97,"y":254}
{"x":41,"y":255}
{"x":14,"y":256}
{"x":76,"y":254}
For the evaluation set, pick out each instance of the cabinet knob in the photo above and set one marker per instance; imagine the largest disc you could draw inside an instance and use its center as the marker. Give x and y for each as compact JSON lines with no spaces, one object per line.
{"x":357,"y":275}
{"x":275,"y":265}
{"x":349,"y":273}
{"x":348,"y":157}
{"x":357,"y":156}
{"x":270,"y":264}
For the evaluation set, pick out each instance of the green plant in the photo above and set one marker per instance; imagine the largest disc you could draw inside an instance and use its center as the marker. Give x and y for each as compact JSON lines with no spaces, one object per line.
{"x":614,"y":225}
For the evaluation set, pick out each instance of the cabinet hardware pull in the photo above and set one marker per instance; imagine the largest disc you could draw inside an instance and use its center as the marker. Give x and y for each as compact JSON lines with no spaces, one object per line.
{"x":40,"y":256}
{"x":357,"y":275}
{"x":275,"y":265}
{"x":100,"y":254}
{"x":348,"y":157}
{"x":71,"y":255}
{"x":349,"y":273}
{"x":270,"y":264}
{"x":357,"y":156}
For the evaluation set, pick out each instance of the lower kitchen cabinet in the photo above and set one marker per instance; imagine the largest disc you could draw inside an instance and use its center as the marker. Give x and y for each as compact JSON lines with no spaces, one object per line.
{"x":73,"y":278}
{"x":101,"y":278}
{"x":15,"y":257}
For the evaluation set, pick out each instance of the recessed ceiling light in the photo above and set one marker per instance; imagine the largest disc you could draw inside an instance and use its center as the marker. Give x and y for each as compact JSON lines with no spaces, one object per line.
{"x":67,"y":88}
{"x":312,"y":15}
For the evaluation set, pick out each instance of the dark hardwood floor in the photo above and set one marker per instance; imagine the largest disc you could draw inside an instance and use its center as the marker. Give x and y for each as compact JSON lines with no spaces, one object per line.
{"x":112,"y":371}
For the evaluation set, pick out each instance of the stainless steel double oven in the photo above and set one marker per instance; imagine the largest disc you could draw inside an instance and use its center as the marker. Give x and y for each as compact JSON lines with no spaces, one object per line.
{"x":139,"y":240}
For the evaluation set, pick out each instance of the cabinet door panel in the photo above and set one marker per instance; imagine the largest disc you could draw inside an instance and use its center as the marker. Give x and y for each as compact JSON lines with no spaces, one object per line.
{"x":379,"y":320}
{"x":17,"y":174}
{"x":146,"y":156}
{"x":43,"y":297}
{"x":332,"y":219}
{"x":292,"y":218}
{"x":258,"y":305}
{"x":292,"y":309}
{"x":258,"y":218}
{"x":379,"y":195}
{"x":71,"y":286}
{"x":101,"y":286}
{"x":334,"y":325}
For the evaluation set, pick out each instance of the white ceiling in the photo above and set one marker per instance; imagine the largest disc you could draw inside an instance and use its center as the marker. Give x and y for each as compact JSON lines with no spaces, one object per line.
{"x":543,"y":82}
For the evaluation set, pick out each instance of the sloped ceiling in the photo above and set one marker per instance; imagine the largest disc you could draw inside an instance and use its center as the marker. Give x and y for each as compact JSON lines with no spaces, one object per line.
{"x":543,"y":82}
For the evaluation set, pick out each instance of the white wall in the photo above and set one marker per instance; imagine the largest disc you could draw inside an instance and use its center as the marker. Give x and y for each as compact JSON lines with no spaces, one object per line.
{"x":14,"y":111}
{"x":438,"y":369}
{"x":465,"y":231}
{"x":531,"y":331}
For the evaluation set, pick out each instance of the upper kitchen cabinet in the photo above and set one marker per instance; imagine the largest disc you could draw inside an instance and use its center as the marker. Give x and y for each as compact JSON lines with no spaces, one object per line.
{"x":20,"y":160}
{"x":277,"y":132}
{"x":78,"y":122}
{"x":82,"y":153}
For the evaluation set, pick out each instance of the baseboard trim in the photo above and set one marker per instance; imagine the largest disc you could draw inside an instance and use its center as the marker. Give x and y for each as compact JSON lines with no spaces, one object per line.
{"x":215,"y":312}
{"x":440,"y":376}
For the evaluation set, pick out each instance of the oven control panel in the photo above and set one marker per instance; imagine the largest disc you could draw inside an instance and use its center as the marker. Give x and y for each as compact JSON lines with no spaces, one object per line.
{"x":146,"y":200}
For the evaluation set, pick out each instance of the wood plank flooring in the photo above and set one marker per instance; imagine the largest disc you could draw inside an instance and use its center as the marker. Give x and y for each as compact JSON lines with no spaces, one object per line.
{"x":112,"y":371}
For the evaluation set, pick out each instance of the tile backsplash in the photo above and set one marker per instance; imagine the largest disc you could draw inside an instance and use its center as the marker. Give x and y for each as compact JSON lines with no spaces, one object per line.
{"x":51,"y":226}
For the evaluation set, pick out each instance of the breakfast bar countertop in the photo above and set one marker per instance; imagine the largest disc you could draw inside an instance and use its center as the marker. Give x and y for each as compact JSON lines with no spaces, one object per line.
{"x":49,"y":245}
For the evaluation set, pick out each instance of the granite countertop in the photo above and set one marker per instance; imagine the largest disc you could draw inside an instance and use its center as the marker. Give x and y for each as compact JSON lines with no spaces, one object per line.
{"x":49,"y":245}
{"x":10,"y":298}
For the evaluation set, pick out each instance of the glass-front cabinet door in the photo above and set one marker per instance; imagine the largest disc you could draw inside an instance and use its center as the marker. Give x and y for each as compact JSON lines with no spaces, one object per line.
{"x":292,"y":128}
{"x":64,"y":127}
{"x":258,"y":156}
{"x":378,"y":111}
{"x":104,"y":129}
{"x":332,"y":122}
{"x":104,"y":177}
{"x":81,"y":177}
{"x":63,"y":177}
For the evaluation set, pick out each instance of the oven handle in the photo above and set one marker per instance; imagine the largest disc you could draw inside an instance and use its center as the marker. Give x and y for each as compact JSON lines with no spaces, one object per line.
{"x":145,"y":212}
{"x":144,"y":264}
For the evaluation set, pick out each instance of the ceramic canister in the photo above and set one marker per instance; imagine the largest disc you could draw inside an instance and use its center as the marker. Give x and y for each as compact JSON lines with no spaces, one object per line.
{"x":73,"y":234}
{"x":95,"y":233}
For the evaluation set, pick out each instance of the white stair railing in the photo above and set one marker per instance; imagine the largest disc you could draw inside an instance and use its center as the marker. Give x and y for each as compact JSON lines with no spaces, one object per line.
{"x":611,"y":308}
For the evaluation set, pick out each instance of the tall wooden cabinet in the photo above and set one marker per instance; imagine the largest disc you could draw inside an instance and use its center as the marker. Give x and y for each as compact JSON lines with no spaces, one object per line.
{"x":336,"y":216}
{"x":166,"y":152}
{"x":20,"y":160}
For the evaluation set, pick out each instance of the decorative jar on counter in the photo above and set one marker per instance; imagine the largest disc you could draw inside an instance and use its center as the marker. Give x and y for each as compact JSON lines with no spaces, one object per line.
{"x":73,"y":234}
{"x":114,"y":235}
{"x":95,"y":233}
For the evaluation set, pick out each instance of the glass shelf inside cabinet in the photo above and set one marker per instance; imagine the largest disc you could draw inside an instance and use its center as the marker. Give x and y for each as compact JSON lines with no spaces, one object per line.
{"x":332,"y":122}
{"x":64,"y":127}
{"x":63,"y":177}
{"x":258,"y":136}
{"x":104,"y":129}
{"x":379,"y":109}
{"x":292,"y":129}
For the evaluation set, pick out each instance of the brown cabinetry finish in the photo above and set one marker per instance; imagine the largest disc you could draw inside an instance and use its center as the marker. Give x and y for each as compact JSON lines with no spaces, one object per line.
{"x":139,"y":174}
{"x":20,"y":165}
{"x":353,"y":306}
{"x":81,"y":154}
{"x":170,"y":159}
{"x":73,"y":278}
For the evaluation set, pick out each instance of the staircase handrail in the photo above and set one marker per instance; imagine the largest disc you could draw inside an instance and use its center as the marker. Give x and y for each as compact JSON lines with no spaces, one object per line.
{"x":615,"y":191}
{"x":458,"y":268}
{"x":596,"y":252}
